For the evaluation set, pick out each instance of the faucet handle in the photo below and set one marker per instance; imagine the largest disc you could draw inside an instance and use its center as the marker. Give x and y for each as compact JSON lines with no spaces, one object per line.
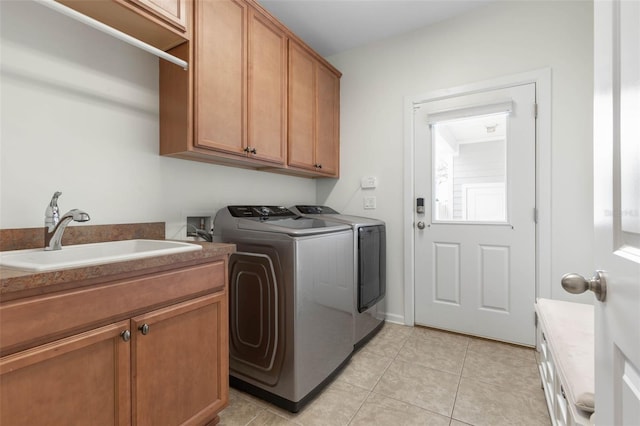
{"x":52,"y":214}
{"x":54,"y":199}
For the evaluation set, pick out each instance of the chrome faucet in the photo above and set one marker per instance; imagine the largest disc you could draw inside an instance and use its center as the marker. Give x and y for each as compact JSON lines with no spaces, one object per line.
{"x":54,"y":224}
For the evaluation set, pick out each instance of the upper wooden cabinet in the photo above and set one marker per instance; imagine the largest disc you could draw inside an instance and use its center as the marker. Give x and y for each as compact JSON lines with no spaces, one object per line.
{"x":236,"y":104}
{"x":240,"y":82}
{"x":173,"y":12}
{"x":314,"y":113}
{"x":267,"y":89}
{"x":238,"y":86}
{"x":160,"y":23}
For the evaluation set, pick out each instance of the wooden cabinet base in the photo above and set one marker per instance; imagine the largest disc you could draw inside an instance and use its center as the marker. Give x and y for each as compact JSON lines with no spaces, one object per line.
{"x":168,"y":364}
{"x":83,"y":379}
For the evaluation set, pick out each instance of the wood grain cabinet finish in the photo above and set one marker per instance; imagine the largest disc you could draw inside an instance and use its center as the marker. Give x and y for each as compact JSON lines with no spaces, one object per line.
{"x":155,"y":358}
{"x":314,"y":111}
{"x":80,"y":380}
{"x":267,"y":89}
{"x":160,"y":23}
{"x":172,"y":12}
{"x":238,"y":84}
{"x":234,"y":105}
{"x":180,"y":363}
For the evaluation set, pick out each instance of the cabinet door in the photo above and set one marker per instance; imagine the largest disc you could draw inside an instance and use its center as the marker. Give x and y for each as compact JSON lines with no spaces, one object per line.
{"x":80,"y":380}
{"x":327,"y":121}
{"x":173,"y":12}
{"x":267,"y":86}
{"x":220,"y":75}
{"x":180,"y":366}
{"x":301,"y":108}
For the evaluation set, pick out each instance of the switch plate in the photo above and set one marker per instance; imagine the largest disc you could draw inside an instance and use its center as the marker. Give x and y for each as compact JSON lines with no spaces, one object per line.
{"x":368,"y":182}
{"x":369,"y":203}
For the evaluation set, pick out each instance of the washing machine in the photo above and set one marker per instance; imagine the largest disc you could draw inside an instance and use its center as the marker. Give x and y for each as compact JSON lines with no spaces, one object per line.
{"x":290,"y":301}
{"x":369,"y":281}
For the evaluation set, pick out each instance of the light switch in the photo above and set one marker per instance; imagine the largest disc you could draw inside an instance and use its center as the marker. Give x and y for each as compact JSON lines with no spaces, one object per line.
{"x":368,"y":182}
{"x":369,"y":203}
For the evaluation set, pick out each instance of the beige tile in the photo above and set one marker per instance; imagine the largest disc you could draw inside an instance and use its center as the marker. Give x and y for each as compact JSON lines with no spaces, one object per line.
{"x":427,"y":388}
{"x":253,"y":399}
{"x":389,"y":340}
{"x":436,"y":353}
{"x":267,"y":418}
{"x":380,"y":410}
{"x":481,"y":404}
{"x":397,"y":330}
{"x":365,"y":369}
{"x":335,"y":406}
{"x":492,"y":347}
{"x":441,"y":336}
{"x":455,"y":422}
{"x":240,"y":410}
{"x":500,"y":368}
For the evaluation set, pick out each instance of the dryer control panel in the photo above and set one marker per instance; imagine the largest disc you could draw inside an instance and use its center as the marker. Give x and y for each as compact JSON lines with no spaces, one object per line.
{"x":260,"y":211}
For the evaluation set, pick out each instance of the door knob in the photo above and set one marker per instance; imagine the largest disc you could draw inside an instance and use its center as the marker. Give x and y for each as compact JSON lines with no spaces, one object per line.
{"x":576,"y":284}
{"x":144,"y":328}
{"x":421,"y":225}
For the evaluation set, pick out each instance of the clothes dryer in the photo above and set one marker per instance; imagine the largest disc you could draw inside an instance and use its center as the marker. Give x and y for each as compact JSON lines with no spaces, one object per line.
{"x":369,"y":254}
{"x":290,"y":301}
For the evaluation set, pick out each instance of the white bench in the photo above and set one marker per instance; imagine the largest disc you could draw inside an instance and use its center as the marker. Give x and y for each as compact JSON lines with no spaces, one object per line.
{"x":566,"y":361}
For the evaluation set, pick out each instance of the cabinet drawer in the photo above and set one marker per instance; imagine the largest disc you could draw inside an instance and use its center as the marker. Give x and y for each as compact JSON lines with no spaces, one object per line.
{"x":36,"y":320}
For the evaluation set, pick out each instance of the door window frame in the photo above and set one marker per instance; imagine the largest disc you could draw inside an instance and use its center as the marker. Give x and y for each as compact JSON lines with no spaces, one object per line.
{"x":542,"y":80}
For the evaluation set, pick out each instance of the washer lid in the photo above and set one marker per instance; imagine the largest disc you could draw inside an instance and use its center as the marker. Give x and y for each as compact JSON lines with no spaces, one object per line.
{"x":327,"y":213}
{"x":281,"y":220}
{"x":299,"y":226}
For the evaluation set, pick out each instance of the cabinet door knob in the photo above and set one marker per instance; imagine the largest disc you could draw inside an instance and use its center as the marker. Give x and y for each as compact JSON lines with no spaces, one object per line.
{"x":253,"y":151}
{"x":318,"y":166}
{"x":126,"y":335}
{"x":144,"y":328}
{"x":246,"y":149}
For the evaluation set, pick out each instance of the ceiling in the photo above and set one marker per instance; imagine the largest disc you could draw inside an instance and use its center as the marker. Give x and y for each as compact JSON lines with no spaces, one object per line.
{"x":333,"y":26}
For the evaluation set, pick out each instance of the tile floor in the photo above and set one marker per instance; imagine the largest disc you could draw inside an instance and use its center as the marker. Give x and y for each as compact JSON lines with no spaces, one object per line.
{"x":416,"y":376}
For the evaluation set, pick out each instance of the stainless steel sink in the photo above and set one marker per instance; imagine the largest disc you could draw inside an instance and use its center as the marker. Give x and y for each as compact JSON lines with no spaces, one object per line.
{"x":75,"y":256}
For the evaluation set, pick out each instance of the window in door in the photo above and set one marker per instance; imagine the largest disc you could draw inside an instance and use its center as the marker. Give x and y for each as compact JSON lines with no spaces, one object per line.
{"x":470,"y":169}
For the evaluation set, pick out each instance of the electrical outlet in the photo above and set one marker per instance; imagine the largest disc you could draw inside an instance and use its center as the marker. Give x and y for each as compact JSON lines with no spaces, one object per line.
{"x":369,"y":203}
{"x":368,"y":182}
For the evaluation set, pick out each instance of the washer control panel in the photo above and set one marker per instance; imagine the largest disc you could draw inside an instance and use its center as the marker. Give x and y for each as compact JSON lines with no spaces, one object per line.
{"x":260,"y":211}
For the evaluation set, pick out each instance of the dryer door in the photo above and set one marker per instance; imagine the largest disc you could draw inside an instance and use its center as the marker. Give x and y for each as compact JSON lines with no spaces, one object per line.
{"x":256,"y":329}
{"x":372,"y":272}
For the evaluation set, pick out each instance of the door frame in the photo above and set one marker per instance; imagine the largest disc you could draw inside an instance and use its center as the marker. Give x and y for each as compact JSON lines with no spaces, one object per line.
{"x":542,"y":80}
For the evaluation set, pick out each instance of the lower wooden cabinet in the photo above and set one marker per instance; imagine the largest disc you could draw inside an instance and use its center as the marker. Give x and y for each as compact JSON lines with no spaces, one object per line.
{"x":168,"y":366}
{"x":81,"y":380}
{"x":180,"y":363}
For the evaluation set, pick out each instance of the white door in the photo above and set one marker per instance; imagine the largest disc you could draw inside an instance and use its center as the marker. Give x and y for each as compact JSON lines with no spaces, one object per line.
{"x":617,"y":210}
{"x":475,"y":241}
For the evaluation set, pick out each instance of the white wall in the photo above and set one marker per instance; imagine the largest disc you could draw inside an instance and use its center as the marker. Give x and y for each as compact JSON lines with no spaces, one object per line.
{"x":80,"y":115}
{"x":497,"y":40}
